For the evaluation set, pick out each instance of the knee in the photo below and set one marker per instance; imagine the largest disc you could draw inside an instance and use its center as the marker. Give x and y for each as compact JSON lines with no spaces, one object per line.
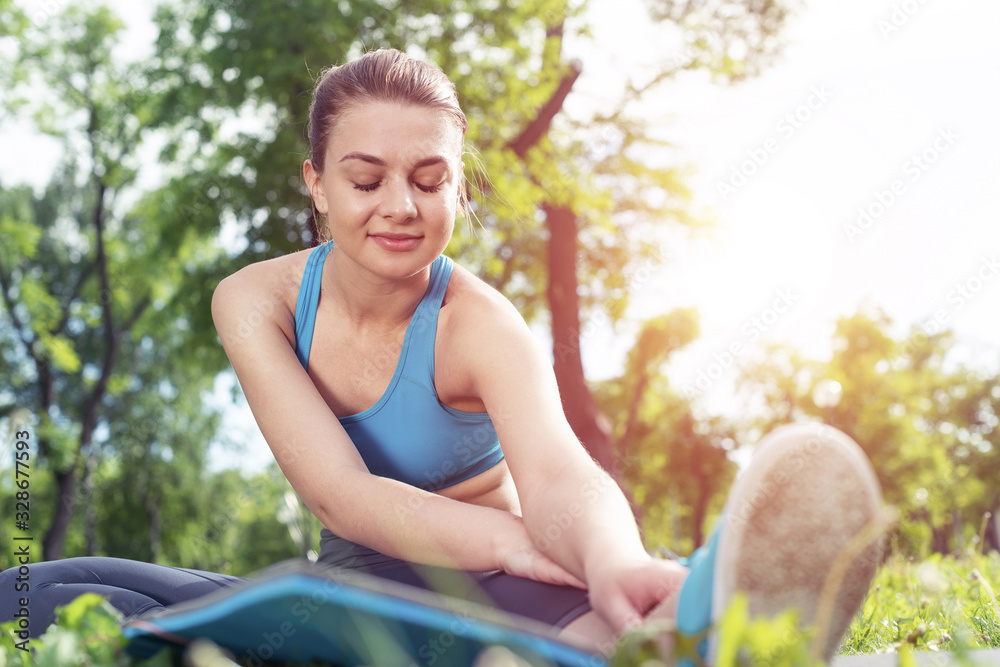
{"x":14,"y":584}
{"x":13,"y":580}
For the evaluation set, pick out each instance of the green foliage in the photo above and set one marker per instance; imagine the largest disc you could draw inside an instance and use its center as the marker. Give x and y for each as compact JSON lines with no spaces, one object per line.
{"x":676,"y":465}
{"x":777,"y":641}
{"x":87,"y":631}
{"x":743,"y":642}
{"x":928,"y":423}
{"x":944,"y":603}
{"x":222,"y":62}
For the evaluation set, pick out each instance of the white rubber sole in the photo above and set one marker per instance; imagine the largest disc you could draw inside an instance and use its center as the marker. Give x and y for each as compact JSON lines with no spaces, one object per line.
{"x":801,"y":526}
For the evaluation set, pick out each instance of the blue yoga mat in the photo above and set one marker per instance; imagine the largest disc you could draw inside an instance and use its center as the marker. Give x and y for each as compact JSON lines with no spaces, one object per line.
{"x":301,"y":612}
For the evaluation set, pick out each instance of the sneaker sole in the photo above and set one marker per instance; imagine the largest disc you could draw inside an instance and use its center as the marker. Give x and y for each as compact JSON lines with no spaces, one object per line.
{"x":804,"y":516}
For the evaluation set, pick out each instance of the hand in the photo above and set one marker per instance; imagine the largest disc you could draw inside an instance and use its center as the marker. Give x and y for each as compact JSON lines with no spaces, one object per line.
{"x":624,"y":592}
{"x":519,"y":556}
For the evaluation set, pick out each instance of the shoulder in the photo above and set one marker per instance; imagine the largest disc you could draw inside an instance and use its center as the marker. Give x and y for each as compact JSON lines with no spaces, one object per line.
{"x":470,"y":303}
{"x":479,"y":326}
{"x":261,"y":292}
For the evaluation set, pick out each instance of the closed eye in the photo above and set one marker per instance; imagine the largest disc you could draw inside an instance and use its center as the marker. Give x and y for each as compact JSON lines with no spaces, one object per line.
{"x":369,"y":187}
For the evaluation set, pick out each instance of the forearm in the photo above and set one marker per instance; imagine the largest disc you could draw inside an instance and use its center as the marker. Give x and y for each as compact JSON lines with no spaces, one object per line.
{"x":411,"y":524}
{"x":582,"y":520}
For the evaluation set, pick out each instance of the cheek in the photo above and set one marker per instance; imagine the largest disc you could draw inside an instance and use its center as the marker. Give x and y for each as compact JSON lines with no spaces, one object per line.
{"x":348,"y":203}
{"x":448,"y":205}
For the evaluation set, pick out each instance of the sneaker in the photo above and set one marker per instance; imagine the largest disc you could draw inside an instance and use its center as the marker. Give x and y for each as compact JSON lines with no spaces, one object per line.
{"x":797,"y":531}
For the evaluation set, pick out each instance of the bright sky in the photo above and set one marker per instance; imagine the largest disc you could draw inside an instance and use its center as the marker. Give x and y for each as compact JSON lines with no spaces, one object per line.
{"x":887,"y":106}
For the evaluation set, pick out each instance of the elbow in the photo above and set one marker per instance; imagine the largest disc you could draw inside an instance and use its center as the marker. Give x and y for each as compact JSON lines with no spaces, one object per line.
{"x":564,"y":493}
{"x":350,"y":510}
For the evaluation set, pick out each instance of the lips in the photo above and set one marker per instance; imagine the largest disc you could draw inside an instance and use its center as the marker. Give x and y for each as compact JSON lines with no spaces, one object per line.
{"x":396,"y":242}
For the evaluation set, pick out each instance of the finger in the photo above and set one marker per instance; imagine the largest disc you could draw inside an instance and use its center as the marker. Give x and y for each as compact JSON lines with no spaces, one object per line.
{"x":670,"y":582}
{"x":571,"y":580}
{"x":655,"y":589}
{"x":557,"y":574}
{"x":621,"y":614}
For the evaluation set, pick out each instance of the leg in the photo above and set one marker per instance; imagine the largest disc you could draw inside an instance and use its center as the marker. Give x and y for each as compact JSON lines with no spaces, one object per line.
{"x":592,"y":632}
{"x":796,"y":531}
{"x":793,"y":530}
{"x":132,"y":587}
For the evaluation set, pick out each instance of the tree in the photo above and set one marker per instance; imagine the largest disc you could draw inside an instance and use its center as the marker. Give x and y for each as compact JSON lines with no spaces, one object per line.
{"x":677,"y":465}
{"x":621,"y":212}
{"x":94,"y":318}
{"x":928,"y":424}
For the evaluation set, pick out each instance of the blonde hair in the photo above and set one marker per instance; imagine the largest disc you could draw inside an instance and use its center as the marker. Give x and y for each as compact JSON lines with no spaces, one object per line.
{"x":383,"y":75}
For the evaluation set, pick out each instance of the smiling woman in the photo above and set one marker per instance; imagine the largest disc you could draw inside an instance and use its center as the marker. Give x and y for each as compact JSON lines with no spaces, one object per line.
{"x":394,"y":170}
{"x":411,"y":409}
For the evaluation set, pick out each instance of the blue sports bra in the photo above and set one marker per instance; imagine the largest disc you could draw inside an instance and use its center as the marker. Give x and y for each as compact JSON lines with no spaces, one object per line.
{"x":408,"y":435}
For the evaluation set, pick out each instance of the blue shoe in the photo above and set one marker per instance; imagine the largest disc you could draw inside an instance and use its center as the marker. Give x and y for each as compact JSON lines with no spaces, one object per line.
{"x":803,"y":517}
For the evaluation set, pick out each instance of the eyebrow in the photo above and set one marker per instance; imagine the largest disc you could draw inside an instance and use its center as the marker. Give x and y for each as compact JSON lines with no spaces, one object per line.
{"x":371,"y":159}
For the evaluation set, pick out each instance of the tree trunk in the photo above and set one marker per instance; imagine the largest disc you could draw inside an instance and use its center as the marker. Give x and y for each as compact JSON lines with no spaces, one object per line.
{"x":52,"y":545}
{"x":589,"y":425}
{"x":89,"y":507}
{"x":700,"y":509}
{"x":153,"y":511}
{"x":581,"y":411}
{"x":940,"y":539}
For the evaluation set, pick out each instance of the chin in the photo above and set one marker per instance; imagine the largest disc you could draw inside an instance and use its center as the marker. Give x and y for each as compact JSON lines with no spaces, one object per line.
{"x":402,"y":265}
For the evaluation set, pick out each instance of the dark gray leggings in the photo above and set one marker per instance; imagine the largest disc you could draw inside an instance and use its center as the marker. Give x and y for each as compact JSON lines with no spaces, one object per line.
{"x":131,"y":586}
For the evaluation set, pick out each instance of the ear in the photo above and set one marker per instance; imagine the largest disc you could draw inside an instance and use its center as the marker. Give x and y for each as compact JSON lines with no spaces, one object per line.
{"x":314,"y":182}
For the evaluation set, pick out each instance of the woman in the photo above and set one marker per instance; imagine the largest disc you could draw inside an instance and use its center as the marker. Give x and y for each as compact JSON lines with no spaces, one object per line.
{"x":410,"y":408}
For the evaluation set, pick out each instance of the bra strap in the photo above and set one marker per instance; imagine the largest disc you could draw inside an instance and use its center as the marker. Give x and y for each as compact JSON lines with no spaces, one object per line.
{"x":308,"y":302}
{"x":426,"y":318}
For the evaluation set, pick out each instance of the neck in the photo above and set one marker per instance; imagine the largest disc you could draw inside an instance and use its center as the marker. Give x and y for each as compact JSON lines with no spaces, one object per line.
{"x":371,"y":300}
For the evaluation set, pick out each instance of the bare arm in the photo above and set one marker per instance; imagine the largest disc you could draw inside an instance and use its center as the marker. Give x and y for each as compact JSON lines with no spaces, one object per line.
{"x":572,"y":508}
{"x":317,"y":456}
{"x":573,"y":511}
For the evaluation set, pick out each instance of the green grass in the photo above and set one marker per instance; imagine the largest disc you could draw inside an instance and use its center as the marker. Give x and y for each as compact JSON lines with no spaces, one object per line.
{"x":938,"y":604}
{"x":942,"y":603}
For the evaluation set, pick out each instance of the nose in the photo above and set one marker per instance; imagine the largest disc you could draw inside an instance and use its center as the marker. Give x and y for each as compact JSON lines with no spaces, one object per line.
{"x":397,"y":203}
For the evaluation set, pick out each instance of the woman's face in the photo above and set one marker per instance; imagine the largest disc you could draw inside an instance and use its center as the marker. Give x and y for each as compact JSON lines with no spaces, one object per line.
{"x":390,"y":186}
